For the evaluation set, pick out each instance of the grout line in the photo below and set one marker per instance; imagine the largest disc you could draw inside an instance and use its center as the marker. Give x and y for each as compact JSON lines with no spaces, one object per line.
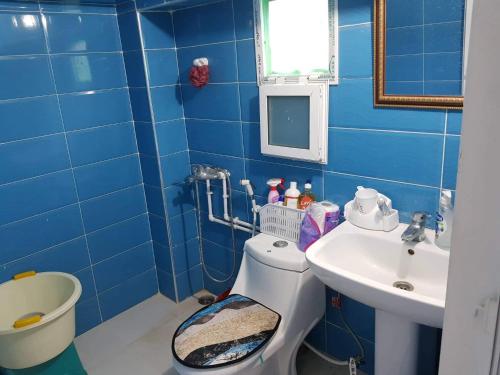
{"x":386,"y":131}
{"x":46,"y":37}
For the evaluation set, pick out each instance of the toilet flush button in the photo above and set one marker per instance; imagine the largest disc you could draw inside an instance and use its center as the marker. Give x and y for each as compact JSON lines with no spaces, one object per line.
{"x":280,"y":244}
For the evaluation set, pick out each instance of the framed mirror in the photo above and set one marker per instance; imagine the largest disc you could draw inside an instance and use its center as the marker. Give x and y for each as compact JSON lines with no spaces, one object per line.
{"x":419,"y":53}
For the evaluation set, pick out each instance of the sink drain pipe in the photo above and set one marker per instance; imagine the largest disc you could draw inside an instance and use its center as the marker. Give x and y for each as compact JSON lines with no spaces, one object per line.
{"x":352,"y":362}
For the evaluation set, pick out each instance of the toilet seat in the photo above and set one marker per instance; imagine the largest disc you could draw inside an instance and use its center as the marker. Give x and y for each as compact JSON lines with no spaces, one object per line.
{"x":224,"y":333}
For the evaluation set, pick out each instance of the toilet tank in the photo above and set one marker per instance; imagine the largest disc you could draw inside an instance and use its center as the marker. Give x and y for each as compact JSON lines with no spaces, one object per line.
{"x":275,"y":273}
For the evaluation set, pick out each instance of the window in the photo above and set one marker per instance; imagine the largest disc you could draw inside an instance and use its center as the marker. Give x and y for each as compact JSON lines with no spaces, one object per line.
{"x":296,"y":38}
{"x":294,"y":121}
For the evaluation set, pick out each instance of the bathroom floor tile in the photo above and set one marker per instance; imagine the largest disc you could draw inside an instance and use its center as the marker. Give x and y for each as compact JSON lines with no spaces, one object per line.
{"x":138,"y":341}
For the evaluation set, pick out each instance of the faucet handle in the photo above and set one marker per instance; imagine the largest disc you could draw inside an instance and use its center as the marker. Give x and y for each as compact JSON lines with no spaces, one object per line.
{"x":420,"y":217}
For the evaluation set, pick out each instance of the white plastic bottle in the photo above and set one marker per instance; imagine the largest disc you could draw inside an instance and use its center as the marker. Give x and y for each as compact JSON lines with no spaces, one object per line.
{"x":292,"y":195}
{"x":444,"y":221}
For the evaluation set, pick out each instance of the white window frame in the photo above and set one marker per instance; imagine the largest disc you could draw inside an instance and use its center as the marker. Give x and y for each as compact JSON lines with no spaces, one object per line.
{"x":318,"y":121}
{"x":332,"y":78}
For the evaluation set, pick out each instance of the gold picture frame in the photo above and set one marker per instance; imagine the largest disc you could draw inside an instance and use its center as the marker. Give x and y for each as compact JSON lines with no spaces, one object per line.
{"x":381,"y":99}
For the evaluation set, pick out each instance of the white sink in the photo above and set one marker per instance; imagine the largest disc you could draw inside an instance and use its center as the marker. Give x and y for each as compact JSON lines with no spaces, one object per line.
{"x":364,"y":265}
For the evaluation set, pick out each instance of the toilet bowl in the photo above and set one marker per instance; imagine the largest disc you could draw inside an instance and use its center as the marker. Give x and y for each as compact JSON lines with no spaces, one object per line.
{"x":275,"y":274}
{"x":37,"y":318}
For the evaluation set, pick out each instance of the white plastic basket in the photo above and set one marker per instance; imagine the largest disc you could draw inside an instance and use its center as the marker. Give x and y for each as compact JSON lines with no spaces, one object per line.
{"x":281,"y":221}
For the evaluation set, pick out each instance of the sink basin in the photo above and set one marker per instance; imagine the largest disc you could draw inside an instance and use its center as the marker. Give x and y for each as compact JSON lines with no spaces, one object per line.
{"x":404,"y":282}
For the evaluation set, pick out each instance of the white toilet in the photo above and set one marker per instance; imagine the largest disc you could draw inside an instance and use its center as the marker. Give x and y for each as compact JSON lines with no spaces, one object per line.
{"x":275,"y":274}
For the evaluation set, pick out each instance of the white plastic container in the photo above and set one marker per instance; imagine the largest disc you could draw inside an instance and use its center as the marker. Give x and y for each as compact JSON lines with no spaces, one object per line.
{"x":50,"y":294}
{"x":292,"y":195}
{"x":444,"y":221}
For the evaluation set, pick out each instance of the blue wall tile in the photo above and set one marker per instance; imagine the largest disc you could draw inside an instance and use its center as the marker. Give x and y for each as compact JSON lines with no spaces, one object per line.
{"x":25,"y":76}
{"x":203,"y":25}
{"x":443,"y":66}
{"x":70,"y":257}
{"x":140,"y":104}
{"x":108,"y":176}
{"x":171,"y":137}
{"x":218,"y":137}
{"x":81,"y":72}
{"x":134,"y":66}
{"x":402,"y":13}
{"x":175,"y":168}
{"x":166,"y":284}
{"x":354,"y":11}
{"x":355,"y":55}
{"x":443,"y":37}
{"x":26,"y":118}
{"x":120,"y":268}
{"x":214,"y":101}
{"x":150,"y":170}
{"x":21,"y":5}
{"x":89,"y":109}
{"x":119,"y":237}
{"x":154,"y":200}
{"x":129,"y":32}
{"x":221,"y":60}
{"x":109,"y":209}
{"x":167,"y":103}
{"x":84,"y":7}
{"x":162,"y":67}
{"x":145,"y":138}
{"x":351,"y":105}
{"x":246,"y":61}
{"x":443,"y":10}
{"x":249,"y":102}
{"x":387,"y":155}
{"x":454,"y":122}
{"x":128,"y":294}
{"x":404,"y":41}
{"x":89,"y":33}
{"x":189,"y":282}
{"x":243,"y":19}
{"x":87,"y":280}
{"x":37,"y":195}
{"x":158,"y":230}
{"x":22,"y":34}
{"x":405,"y":68}
{"x":106,"y":142}
{"x":451,"y":157}
{"x":186,"y":255}
{"x":87,"y":315}
{"x":34,"y":157}
{"x":45,"y":230}
{"x":183,"y":228}
{"x":157,"y":30}
{"x":162,"y":257}
{"x":179,"y":199}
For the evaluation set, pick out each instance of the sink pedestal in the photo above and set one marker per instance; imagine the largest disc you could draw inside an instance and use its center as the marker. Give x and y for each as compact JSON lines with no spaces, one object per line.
{"x":396,"y":345}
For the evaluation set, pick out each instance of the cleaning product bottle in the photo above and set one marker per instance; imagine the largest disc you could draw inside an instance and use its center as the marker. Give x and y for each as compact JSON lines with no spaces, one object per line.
{"x":307,"y":197}
{"x":292,"y":195}
{"x":273,"y":184}
{"x":444,"y":221}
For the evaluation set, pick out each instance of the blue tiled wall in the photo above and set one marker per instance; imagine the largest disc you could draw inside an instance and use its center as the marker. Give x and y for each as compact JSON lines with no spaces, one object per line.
{"x":407,"y":154}
{"x":71,"y":186}
{"x":425,"y":47}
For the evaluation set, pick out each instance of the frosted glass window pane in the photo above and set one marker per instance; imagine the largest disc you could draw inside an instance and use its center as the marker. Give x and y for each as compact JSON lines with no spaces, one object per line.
{"x":288,"y":118}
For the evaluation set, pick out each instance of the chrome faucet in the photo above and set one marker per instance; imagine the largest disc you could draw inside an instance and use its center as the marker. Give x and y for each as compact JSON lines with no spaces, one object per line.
{"x":416,"y":230}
